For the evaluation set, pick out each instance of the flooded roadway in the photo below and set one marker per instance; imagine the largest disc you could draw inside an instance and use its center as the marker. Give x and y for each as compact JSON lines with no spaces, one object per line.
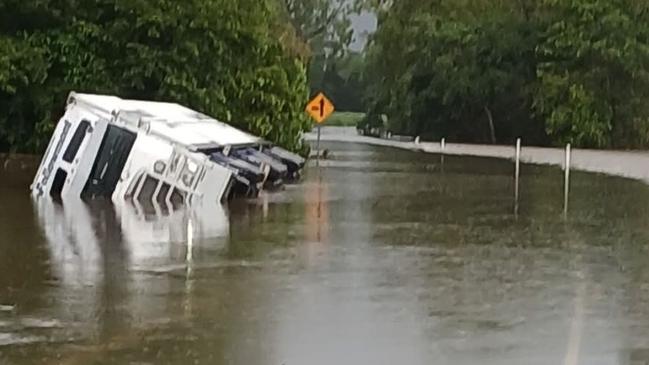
{"x":379,"y":257}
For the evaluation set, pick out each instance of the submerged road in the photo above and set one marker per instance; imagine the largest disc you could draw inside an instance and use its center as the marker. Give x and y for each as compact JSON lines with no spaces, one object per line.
{"x":379,"y":256}
{"x":629,"y":164}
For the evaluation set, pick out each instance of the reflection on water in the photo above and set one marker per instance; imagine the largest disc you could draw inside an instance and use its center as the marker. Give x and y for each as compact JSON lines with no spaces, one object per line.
{"x":378,"y":257}
{"x":82,"y":238}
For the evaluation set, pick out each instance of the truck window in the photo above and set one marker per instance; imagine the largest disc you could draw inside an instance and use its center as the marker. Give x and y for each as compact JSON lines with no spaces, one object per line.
{"x":162,"y":195}
{"x":58,"y":183}
{"x":132,"y":189}
{"x":148,"y":189}
{"x":177,"y":198}
{"x":75,"y":142}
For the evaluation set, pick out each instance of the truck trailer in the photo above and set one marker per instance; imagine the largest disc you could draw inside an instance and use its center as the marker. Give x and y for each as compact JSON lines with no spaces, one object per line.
{"x":155,"y":153}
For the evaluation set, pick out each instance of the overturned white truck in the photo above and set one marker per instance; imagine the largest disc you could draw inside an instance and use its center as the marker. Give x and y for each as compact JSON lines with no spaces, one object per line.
{"x":155,"y":153}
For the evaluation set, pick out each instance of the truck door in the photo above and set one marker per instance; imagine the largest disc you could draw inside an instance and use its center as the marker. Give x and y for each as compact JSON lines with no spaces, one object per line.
{"x":111,"y":158}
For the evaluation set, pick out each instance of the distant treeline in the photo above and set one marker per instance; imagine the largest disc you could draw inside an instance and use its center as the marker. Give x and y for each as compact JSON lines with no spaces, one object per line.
{"x":550,"y":71}
{"x":232,"y":59}
{"x":340,"y":79}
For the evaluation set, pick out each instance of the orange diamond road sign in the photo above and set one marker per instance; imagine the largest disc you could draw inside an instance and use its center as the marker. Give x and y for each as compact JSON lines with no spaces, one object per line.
{"x":320,"y":108}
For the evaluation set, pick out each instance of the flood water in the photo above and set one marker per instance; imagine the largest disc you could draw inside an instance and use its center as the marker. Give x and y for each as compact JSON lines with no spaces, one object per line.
{"x":378,"y":257}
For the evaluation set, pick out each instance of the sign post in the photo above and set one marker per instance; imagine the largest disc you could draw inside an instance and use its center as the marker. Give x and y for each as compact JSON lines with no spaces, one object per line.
{"x":320,"y":108}
{"x":317,"y":148}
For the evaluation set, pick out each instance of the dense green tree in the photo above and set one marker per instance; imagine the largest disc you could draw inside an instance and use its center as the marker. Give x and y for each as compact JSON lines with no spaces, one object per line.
{"x":550,"y":71}
{"x":22,"y":71}
{"x":223,"y":57}
{"x":457,"y":69}
{"x":323,"y":25}
{"x":325,"y":29}
{"x":340,"y":80}
{"x":594,"y":80}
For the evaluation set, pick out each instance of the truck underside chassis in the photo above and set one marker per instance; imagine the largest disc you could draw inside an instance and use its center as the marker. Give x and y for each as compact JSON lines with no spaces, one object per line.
{"x":258,"y":168}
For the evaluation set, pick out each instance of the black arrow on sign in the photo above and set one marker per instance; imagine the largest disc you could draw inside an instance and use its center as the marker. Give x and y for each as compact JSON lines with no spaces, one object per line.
{"x":322,"y":103}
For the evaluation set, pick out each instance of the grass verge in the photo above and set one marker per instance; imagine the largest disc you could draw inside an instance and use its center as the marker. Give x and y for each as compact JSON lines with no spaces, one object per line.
{"x":344,"y":119}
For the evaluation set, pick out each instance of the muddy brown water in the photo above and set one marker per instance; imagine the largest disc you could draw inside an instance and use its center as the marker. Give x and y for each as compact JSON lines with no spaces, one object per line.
{"x":379,"y":256}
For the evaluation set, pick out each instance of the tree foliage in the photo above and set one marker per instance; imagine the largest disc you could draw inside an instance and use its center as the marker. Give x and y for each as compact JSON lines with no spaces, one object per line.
{"x":341,"y":80}
{"x":324,"y":25}
{"x":593,"y":78}
{"x":550,"y":71}
{"x":325,"y":30}
{"x":223,"y":57}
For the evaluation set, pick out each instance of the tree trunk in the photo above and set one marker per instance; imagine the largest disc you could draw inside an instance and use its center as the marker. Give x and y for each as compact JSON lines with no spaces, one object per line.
{"x":492,"y":129}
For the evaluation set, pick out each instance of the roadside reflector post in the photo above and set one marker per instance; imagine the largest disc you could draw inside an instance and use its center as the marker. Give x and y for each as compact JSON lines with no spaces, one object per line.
{"x":517,"y":175}
{"x":566,"y":183}
{"x":442,"y":144}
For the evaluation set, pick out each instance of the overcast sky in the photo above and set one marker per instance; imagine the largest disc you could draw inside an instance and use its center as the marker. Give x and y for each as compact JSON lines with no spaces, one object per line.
{"x":363,"y":24}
